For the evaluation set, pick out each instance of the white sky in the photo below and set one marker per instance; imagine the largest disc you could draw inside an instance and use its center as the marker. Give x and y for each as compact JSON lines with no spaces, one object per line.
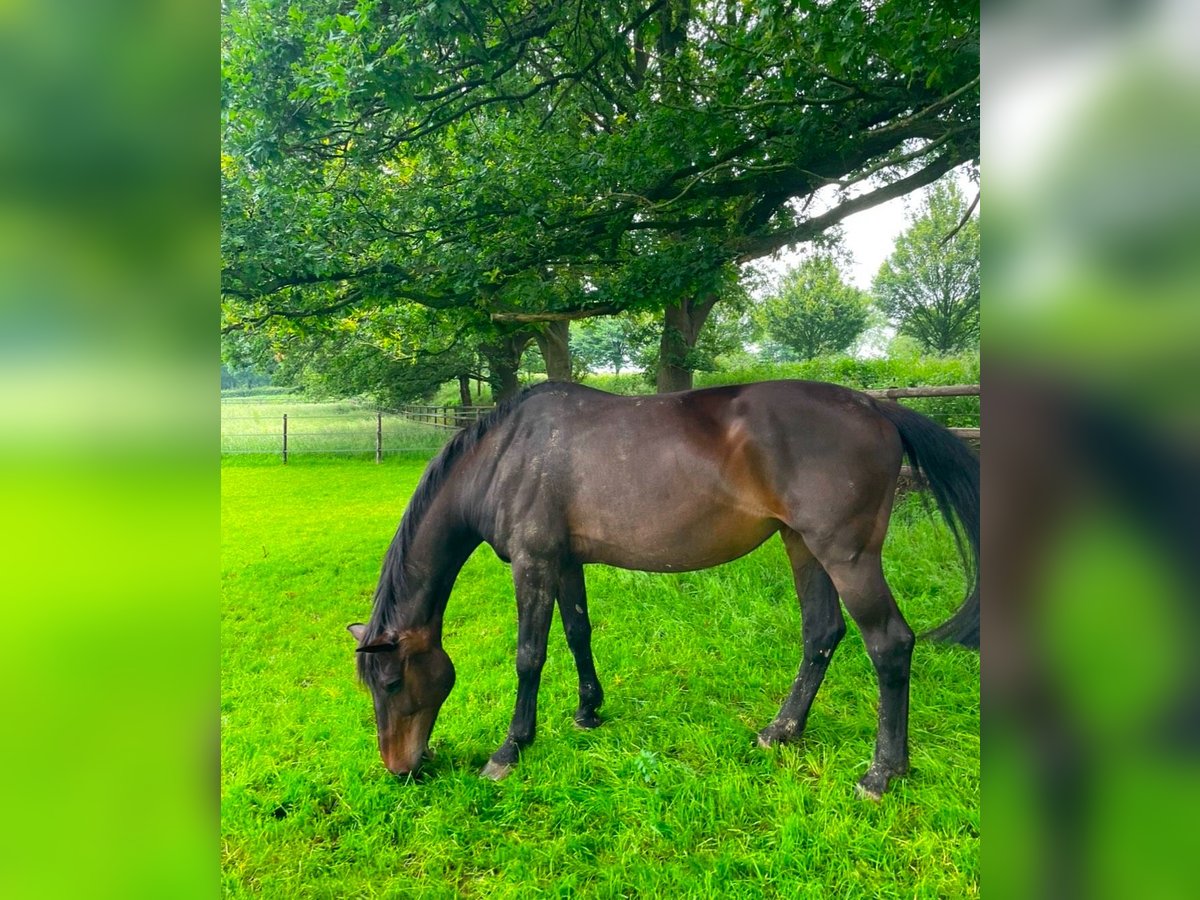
{"x":870,"y":236}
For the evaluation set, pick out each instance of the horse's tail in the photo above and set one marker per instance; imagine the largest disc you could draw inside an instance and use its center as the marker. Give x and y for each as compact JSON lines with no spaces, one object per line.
{"x":951,"y":470}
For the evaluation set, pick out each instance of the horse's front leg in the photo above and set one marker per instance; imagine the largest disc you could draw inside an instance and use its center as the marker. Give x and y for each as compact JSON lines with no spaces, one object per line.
{"x":536,"y":582}
{"x":572,"y":606}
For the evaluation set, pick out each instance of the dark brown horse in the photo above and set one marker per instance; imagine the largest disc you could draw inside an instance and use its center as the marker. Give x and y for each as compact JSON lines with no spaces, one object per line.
{"x":565,"y":475}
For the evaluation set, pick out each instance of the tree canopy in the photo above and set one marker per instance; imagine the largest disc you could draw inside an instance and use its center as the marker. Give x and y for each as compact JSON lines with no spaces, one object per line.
{"x":814,"y":312}
{"x":929,"y":286}
{"x":517,"y":162}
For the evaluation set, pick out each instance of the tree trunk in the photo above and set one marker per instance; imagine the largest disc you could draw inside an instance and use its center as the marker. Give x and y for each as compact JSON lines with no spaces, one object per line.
{"x":554,"y":340}
{"x":504,"y":361}
{"x":682,"y":322}
{"x":464,"y":389}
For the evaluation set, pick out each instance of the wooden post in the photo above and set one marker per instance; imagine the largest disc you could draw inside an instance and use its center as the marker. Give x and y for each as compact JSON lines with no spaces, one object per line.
{"x":285,"y":439}
{"x":378,"y":438}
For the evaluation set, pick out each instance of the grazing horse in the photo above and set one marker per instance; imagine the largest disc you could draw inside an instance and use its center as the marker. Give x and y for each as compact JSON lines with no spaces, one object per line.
{"x":565,"y":475}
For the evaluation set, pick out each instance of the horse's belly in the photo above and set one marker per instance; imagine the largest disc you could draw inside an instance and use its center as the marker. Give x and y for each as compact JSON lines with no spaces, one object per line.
{"x":673,"y":546}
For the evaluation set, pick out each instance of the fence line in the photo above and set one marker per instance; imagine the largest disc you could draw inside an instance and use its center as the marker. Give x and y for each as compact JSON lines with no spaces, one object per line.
{"x":444,"y":416}
{"x":289,"y":436}
{"x":455,"y":417}
{"x":932,"y":390}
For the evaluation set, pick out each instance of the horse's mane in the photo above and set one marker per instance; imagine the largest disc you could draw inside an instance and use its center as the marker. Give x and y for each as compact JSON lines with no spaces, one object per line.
{"x":385,"y":612}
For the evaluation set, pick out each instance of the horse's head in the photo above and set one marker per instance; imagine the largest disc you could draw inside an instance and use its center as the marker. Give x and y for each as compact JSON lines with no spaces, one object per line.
{"x":410,"y":677}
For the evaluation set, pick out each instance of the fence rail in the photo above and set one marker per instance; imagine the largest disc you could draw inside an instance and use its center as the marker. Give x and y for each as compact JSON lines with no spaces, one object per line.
{"x":445,"y":416}
{"x":932,"y":390}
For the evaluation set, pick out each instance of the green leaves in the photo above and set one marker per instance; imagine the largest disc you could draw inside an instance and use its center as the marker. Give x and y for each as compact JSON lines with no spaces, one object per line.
{"x":814,"y":312}
{"x":523,"y":156}
{"x":929,"y":286}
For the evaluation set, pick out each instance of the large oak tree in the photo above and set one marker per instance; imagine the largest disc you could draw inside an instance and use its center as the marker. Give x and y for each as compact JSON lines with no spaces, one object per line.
{"x":530,"y":162}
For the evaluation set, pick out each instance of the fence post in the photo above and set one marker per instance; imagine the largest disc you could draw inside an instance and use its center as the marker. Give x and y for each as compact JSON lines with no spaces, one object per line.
{"x":378,"y":437}
{"x":285,"y":439}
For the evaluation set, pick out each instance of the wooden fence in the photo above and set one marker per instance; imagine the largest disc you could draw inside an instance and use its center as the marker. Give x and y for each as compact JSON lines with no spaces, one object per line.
{"x":972,"y":435}
{"x":444,"y":416}
{"x":937,"y":390}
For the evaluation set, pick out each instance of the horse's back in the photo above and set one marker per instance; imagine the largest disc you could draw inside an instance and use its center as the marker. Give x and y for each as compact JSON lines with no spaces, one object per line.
{"x":688,"y":480}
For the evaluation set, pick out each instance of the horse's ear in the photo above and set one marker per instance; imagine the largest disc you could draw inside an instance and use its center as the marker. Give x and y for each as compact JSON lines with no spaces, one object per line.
{"x":384,"y":642}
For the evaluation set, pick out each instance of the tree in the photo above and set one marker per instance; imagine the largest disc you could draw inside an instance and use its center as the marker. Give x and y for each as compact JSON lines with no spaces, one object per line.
{"x":814,"y":312}
{"x":545,"y":162}
{"x":614,"y":342}
{"x":929,"y":286}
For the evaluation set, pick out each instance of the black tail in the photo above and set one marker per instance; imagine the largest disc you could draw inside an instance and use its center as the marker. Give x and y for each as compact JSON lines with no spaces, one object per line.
{"x":952,"y":473}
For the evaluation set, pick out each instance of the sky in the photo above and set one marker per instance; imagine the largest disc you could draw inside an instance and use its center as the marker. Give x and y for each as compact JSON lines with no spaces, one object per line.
{"x":870,"y":236}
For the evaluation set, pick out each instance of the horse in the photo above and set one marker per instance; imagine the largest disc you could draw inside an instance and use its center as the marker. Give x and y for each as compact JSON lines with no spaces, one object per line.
{"x":564,"y":475}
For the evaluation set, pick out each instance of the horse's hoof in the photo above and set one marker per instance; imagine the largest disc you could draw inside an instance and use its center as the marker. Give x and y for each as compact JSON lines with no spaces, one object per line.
{"x":874,"y":784}
{"x":866,"y":792}
{"x":496,"y":771}
{"x":587,"y":721}
{"x":778,"y":732}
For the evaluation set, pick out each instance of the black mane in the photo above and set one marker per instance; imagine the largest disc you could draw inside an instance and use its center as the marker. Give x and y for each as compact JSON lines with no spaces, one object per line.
{"x":385,"y":612}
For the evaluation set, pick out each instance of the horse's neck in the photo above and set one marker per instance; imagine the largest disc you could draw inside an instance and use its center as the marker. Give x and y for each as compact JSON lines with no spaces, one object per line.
{"x":431,"y":563}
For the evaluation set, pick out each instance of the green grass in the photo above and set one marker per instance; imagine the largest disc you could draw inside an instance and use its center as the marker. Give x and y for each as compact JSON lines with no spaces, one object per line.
{"x":668,"y":798}
{"x":255,"y":426}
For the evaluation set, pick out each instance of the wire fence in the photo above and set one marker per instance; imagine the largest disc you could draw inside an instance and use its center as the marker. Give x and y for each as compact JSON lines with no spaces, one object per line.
{"x":263,"y":427}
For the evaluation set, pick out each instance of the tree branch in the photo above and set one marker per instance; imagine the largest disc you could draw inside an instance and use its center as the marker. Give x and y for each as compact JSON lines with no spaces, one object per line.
{"x":754,"y":247}
{"x":560,"y":315}
{"x":961,"y":222}
{"x":253,"y":321}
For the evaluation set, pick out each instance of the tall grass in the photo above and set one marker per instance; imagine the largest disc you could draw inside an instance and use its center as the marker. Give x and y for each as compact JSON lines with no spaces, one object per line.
{"x":669,"y":797}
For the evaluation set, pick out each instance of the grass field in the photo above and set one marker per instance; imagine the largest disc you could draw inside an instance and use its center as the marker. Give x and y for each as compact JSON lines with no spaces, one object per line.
{"x":668,"y":798}
{"x":255,"y":426}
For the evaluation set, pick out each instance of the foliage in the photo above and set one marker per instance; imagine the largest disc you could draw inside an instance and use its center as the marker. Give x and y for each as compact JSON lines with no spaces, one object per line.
{"x":613,"y":342}
{"x":242,"y":379}
{"x":863,"y":374}
{"x":531,"y":158}
{"x":669,"y":797}
{"x":876,"y":374}
{"x":626,"y":383}
{"x":397,"y":355}
{"x":273,"y":390}
{"x":814,"y":312}
{"x":929,"y":286}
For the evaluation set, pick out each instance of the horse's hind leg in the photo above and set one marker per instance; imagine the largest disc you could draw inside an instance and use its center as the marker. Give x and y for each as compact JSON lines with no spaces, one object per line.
{"x":823,"y":628}
{"x":572,"y":604}
{"x":859,"y":579}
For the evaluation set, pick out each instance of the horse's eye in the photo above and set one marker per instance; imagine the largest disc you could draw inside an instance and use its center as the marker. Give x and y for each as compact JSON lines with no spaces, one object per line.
{"x":393,"y":686}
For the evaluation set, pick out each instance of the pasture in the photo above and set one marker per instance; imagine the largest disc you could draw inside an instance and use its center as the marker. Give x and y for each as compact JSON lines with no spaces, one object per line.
{"x":254,"y":425}
{"x":669,"y":797}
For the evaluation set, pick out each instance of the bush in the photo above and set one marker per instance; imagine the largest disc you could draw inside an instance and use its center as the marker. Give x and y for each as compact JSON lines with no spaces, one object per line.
{"x":875,"y":374}
{"x":862,"y":374}
{"x":625,"y":383}
{"x":260,"y":391}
